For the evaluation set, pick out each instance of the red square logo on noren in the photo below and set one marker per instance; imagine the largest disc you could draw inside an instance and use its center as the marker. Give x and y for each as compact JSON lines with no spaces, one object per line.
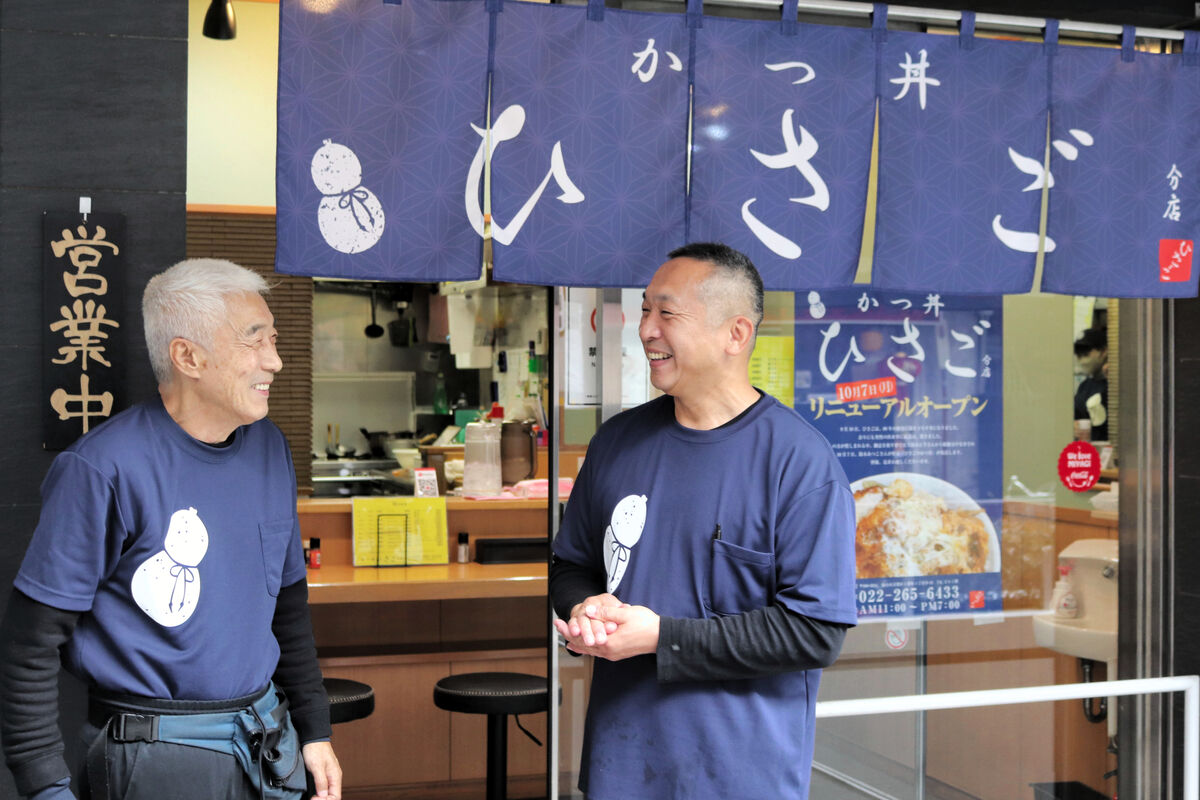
{"x":1174,"y":260}
{"x":975,"y":599}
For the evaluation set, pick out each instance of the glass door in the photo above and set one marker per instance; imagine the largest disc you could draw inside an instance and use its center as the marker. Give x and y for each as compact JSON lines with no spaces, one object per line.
{"x":1033,"y":451}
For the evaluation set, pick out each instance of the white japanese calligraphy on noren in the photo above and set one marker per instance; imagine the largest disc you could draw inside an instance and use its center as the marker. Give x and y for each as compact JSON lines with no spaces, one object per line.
{"x":1027,"y":241}
{"x":651,"y":53}
{"x":1173,"y":212}
{"x":808,"y":75}
{"x":795,"y":154}
{"x":1030,"y":166}
{"x":507,"y":126}
{"x":828,"y":335}
{"x":915,"y":74}
{"x":1173,"y":177}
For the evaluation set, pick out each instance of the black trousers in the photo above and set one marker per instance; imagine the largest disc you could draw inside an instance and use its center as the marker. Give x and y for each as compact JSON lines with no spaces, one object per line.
{"x":164,"y":771}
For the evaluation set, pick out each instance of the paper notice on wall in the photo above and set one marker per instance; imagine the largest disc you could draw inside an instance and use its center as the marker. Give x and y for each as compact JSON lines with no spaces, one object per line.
{"x":583,"y":367}
{"x":399,"y":531}
{"x":773,"y":367}
{"x":471,"y":319}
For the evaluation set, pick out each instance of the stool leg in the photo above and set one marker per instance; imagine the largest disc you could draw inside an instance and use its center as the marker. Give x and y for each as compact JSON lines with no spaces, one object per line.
{"x":497,"y":757}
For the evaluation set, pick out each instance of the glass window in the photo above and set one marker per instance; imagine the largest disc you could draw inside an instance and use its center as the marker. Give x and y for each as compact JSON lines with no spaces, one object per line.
{"x":1050,"y":365}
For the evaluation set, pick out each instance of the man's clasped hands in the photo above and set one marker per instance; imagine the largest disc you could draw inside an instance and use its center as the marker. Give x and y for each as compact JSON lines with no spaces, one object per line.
{"x":604,"y":627}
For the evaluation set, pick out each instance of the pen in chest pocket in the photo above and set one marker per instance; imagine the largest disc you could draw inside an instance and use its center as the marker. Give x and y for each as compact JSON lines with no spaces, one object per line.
{"x":717,"y":532}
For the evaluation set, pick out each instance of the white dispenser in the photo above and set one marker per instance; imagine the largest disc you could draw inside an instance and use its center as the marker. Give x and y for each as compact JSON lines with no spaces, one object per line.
{"x":1093,"y":578}
{"x":1063,"y":601}
{"x":1091,"y":567}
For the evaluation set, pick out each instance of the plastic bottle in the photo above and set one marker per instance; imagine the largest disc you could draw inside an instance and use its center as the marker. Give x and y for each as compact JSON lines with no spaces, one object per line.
{"x":440,"y":403}
{"x":1063,"y":599}
{"x":533,"y":385}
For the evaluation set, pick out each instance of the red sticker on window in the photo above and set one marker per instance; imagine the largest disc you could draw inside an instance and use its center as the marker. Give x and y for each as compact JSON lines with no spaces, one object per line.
{"x":1174,"y":260}
{"x":975,"y":598}
{"x":1079,"y":466}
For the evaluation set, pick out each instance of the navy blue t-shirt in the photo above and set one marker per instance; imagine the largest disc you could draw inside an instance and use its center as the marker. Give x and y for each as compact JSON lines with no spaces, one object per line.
{"x":175,"y":551}
{"x":645,"y":510}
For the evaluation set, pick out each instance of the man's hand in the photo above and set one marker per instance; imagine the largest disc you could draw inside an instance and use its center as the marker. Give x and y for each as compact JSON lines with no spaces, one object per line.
{"x":326,"y":772}
{"x":583,"y":626}
{"x":635,"y":634}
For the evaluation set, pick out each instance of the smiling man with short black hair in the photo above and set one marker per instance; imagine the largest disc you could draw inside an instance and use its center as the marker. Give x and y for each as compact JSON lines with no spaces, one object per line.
{"x":706,"y":559}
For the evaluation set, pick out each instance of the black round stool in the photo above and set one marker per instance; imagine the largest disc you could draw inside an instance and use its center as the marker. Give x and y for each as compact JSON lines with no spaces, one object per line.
{"x":496,"y":694}
{"x":348,"y":700}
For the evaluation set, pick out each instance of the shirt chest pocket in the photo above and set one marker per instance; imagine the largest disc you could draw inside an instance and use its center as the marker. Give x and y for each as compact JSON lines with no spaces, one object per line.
{"x":740,"y":579}
{"x":275,"y":537}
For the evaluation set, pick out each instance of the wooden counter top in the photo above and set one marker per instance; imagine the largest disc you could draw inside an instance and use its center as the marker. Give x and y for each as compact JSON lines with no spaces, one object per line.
{"x":345,"y":505}
{"x":337,"y":581}
{"x":345,"y":584}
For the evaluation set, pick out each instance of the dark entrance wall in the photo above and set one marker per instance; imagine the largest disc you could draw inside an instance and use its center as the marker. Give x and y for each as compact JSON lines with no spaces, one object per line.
{"x":1184,"y":596}
{"x":93,"y":101}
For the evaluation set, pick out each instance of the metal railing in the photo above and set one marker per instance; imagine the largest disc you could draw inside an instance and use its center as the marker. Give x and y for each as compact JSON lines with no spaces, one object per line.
{"x":1188,"y":684}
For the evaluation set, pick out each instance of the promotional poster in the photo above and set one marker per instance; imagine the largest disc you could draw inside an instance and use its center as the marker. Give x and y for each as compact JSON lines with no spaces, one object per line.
{"x":907,"y":388}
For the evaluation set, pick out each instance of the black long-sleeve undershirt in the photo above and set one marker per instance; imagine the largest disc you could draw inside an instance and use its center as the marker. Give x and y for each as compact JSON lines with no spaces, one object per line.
{"x":30,"y":637}
{"x":31,"y":634}
{"x":298,"y":673}
{"x":766,"y":641}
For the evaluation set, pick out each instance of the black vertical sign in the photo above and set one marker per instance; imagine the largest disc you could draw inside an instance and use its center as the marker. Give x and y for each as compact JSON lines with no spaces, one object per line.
{"x":83,"y":320}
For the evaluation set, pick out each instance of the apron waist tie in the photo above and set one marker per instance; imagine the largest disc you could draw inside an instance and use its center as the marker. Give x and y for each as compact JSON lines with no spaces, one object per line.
{"x":254,"y":729}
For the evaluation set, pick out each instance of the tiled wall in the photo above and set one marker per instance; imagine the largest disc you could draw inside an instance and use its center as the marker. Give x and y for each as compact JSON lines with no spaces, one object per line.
{"x":249,"y":240}
{"x":93,"y":101}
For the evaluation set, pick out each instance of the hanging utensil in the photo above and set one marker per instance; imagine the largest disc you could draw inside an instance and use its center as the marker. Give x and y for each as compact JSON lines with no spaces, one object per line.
{"x":403,"y":330}
{"x":373,"y":331}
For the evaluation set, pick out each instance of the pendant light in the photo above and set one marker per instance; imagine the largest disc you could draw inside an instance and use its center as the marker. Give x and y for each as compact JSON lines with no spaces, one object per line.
{"x":219,"y":21}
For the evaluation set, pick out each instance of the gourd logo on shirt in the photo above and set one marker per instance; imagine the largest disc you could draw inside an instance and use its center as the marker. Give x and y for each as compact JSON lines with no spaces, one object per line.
{"x":167,"y":585}
{"x":623,"y":531}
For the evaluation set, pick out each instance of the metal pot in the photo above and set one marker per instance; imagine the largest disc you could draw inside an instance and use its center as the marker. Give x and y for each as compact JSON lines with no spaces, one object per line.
{"x":377,"y":442}
{"x":518,"y":451}
{"x":382,"y":443}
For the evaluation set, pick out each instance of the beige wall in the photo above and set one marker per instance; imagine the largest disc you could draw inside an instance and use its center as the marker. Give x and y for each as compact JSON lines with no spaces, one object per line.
{"x":1039,"y":392}
{"x":231,"y":108}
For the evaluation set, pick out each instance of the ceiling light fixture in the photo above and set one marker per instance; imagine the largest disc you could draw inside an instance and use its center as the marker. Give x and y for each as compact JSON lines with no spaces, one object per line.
{"x":219,"y":21}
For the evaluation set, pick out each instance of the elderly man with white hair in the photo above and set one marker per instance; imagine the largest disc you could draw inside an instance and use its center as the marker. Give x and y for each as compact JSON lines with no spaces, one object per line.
{"x":167,"y":566}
